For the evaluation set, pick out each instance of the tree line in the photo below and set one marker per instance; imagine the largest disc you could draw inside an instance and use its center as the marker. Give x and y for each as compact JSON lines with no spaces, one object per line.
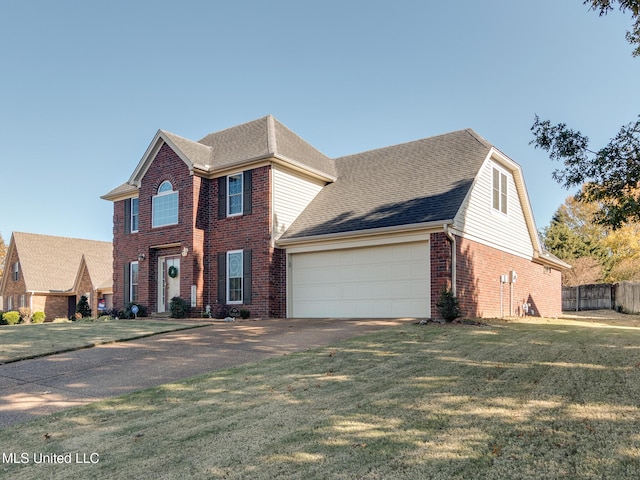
{"x":597,"y":230}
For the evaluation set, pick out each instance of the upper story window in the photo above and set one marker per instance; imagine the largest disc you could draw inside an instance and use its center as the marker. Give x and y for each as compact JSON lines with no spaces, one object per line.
{"x":234,"y":194}
{"x":164,"y":206}
{"x":134,"y":215}
{"x":16,"y":271}
{"x":499,"y":191}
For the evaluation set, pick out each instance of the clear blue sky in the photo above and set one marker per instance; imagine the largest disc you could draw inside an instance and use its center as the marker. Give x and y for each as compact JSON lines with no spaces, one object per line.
{"x":84,"y":86}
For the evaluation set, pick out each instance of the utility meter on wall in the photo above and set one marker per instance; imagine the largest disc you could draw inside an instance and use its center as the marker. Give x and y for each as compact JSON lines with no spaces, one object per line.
{"x":514,"y":276}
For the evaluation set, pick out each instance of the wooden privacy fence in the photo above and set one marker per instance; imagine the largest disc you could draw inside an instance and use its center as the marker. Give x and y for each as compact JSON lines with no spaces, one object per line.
{"x":627,"y":297}
{"x":622,"y":296}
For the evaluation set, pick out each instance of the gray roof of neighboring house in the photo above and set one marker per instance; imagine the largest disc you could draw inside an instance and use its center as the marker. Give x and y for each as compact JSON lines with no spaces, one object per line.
{"x":50,"y":263}
{"x":422,"y":181}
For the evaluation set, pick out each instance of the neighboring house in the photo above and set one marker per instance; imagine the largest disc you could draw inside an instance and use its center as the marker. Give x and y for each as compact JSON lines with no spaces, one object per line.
{"x":49,"y":274}
{"x":255,"y":217}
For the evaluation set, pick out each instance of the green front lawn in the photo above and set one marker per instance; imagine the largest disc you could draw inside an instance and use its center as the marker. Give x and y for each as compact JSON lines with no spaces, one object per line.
{"x":504,"y":401}
{"x":18,"y":342}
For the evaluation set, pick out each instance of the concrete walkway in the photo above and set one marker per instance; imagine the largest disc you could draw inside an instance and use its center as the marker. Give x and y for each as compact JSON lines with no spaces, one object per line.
{"x":42,"y":386}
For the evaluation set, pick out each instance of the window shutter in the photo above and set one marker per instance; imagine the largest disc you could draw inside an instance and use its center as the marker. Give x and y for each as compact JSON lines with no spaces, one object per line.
{"x":127,"y":284}
{"x":246,"y":185}
{"x":222,"y":197}
{"x":246,"y":280}
{"x":127,"y":215}
{"x":222,"y":278}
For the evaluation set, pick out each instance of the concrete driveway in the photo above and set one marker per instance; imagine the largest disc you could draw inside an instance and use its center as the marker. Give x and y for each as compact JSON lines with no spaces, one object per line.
{"x":42,"y":386}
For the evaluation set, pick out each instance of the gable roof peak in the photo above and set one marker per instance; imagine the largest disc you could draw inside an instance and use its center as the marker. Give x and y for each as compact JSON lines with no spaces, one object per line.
{"x":50,"y":263}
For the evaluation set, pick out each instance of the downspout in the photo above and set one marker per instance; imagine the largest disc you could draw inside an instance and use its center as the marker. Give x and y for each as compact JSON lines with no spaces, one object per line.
{"x":452,"y":239}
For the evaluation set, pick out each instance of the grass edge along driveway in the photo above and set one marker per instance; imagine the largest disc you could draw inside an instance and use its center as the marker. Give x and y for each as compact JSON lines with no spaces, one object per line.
{"x":508,"y":400}
{"x":25,"y":341}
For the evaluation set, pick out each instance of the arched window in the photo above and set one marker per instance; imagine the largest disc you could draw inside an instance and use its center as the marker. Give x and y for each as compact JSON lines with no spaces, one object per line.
{"x":164,"y":206}
{"x":165,"y":187}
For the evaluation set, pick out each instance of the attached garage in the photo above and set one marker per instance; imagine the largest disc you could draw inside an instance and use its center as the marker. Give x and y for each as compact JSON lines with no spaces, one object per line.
{"x":385,"y":281}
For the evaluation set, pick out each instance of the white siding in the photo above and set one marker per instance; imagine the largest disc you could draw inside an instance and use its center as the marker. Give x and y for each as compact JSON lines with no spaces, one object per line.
{"x":292,"y":192}
{"x":479,"y":221}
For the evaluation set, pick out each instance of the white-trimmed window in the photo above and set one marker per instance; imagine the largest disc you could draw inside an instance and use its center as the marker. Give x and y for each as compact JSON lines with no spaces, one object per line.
{"x":234,"y":276}
{"x":234,"y":195}
{"x":10,"y":303}
{"x":164,"y":206}
{"x":500,"y":191}
{"x":133,"y":282}
{"x":134,"y":215}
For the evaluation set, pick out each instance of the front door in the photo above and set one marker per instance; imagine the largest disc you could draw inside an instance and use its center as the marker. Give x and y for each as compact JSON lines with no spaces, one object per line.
{"x":168,"y":281}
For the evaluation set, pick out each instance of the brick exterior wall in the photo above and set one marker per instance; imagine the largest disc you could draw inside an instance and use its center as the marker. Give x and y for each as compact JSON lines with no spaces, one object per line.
{"x":440,"y":249}
{"x":54,"y":306}
{"x":128,"y":246}
{"x":250,"y":232}
{"x":478,"y":288}
{"x":204,"y":235}
{"x":13,"y":288}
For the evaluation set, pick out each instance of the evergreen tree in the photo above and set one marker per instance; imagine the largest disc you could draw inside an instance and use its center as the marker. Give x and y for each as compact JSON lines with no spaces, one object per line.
{"x":597,"y":252}
{"x":83,"y":308}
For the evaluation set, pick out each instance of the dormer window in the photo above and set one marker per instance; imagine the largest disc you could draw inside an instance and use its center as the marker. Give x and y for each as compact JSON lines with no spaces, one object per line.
{"x":164,"y":206}
{"x":499,"y":191}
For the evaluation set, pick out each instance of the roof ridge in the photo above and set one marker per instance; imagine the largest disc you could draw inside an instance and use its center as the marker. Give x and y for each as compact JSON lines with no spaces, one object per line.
{"x":59,"y":236}
{"x":479,"y":138}
{"x":167,"y":132}
{"x":409,"y":142}
{"x":278,"y":122}
{"x":234,"y":127}
{"x":272,"y":146}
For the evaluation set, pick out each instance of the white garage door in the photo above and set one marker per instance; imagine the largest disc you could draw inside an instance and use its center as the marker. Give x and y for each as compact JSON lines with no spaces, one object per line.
{"x":378,"y":282}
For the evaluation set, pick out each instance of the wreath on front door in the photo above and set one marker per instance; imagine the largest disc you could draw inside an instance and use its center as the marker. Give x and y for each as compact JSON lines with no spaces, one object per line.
{"x":173,"y":271}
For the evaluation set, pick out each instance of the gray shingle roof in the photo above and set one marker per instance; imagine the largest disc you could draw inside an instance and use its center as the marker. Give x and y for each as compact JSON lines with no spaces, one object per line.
{"x":50,"y":264}
{"x":197,"y":153}
{"x":262,"y":138}
{"x":124,"y":189}
{"x":252,"y":141}
{"x":421,"y":181}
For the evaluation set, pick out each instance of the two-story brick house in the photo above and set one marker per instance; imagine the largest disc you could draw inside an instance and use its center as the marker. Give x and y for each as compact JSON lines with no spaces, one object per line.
{"x":255,"y":217}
